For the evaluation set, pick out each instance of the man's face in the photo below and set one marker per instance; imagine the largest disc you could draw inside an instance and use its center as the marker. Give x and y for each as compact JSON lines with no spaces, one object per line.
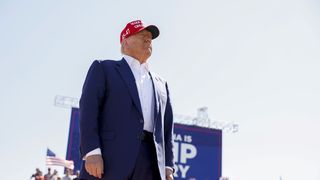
{"x":140,"y":45}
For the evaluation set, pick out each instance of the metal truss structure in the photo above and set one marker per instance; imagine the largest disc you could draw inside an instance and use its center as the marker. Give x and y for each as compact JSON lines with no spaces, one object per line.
{"x":201,"y":120}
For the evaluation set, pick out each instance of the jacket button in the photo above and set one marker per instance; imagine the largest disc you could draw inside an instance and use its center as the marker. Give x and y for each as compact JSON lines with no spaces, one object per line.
{"x":141,"y":120}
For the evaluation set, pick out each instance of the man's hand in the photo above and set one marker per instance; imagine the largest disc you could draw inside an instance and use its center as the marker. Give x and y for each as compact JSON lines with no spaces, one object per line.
{"x":169,"y":174}
{"x":94,"y":165}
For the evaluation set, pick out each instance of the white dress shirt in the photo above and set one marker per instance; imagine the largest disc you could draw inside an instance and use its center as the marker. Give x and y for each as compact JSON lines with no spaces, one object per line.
{"x":145,"y":90}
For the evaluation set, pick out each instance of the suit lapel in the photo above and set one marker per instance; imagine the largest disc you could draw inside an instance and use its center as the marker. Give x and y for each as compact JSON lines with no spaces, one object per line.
{"x":155,"y":94}
{"x":128,"y":78}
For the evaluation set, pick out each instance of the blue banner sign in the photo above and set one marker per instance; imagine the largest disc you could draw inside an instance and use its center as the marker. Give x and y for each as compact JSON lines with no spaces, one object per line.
{"x":197,"y":152}
{"x":73,"y":152}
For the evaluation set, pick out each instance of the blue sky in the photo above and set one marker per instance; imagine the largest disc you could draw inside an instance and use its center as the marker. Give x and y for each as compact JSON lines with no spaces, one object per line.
{"x":252,"y":62}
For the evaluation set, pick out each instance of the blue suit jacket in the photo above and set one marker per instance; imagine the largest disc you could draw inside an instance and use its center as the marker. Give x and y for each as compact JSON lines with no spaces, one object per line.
{"x":111,"y":119}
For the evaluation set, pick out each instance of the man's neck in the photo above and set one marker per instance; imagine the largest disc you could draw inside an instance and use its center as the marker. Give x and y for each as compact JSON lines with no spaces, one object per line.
{"x":141,"y":60}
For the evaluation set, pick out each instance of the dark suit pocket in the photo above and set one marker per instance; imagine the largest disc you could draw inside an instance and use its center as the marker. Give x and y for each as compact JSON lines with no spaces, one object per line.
{"x":107,"y":135}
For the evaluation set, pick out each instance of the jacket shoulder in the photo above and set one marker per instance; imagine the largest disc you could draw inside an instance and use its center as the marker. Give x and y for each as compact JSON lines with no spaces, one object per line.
{"x":108,"y":62}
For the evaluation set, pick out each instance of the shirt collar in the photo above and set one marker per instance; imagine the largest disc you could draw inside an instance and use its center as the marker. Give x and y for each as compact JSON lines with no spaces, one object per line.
{"x":134,"y":63}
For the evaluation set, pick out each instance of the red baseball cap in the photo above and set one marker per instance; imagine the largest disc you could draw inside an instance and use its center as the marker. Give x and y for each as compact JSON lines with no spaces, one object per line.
{"x":136,"y":26}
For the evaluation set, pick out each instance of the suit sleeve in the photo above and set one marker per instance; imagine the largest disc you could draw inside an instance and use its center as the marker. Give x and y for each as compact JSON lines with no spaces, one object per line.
{"x":91,"y":100}
{"x":168,"y":131}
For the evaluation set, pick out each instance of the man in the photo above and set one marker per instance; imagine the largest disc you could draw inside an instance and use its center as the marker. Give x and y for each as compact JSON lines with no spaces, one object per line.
{"x":55,"y":175}
{"x":126,"y":120}
{"x":48,"y":175}
{"x":37,"y":175}
{"x":67,"y":175}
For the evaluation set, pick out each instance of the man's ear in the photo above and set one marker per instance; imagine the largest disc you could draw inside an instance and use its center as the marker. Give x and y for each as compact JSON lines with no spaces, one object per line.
{"x":124,"y":45}
{"x":124,"y":42}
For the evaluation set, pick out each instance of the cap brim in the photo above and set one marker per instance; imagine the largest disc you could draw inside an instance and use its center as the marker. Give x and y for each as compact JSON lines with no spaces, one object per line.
{"x":154,"y":31}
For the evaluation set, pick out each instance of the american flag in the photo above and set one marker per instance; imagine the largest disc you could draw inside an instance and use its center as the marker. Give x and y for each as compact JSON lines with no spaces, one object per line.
{"x":53,"y":160}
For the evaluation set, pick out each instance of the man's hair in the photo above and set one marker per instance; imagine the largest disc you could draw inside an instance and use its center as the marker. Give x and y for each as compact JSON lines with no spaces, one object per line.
{"x":122,"y":47}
